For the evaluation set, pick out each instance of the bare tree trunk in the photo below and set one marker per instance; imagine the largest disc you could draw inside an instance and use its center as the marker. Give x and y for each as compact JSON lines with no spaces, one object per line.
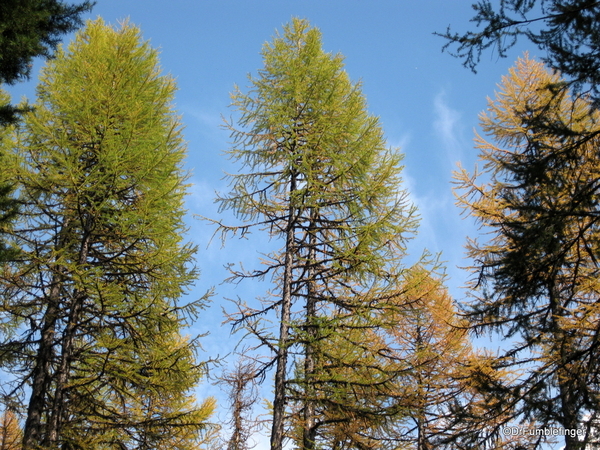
{"x":279,"y":400}
{"x":309,"y":429}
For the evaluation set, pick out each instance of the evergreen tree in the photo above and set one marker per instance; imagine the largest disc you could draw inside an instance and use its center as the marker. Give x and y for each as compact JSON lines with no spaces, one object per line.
{"x":320,"y":178}
{"x":566,"y":30}
{"x":536,"y":280}
{"x":91,"y":314}
{"x":31,"y":28}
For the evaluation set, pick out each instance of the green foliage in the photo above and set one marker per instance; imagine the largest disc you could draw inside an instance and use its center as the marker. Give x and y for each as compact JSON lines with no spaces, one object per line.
{"x":317,"y":174}
{"x":94,"y":300}
{"x":28,"y":28}
{"x":537,"y":278}
{"x":9,"y":206}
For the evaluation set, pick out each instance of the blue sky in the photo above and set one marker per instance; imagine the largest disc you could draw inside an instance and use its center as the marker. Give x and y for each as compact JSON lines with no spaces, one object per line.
{"x":427,"y":102}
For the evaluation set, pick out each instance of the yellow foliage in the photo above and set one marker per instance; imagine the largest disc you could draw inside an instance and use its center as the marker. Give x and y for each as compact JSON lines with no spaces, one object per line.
{"x":11,"y":434}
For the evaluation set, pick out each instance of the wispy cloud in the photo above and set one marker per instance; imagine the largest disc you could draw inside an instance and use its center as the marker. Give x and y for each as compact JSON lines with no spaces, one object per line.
{"x":449,"y":128}
{"x":208,"y":119}
{"x":401,"y":143}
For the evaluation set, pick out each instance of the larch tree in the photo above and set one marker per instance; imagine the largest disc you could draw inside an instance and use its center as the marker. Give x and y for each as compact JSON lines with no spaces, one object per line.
{"x":434,"y":393}
{"x":316,"y":175}
{"x":353,"y":389}
{"x":9,"y":205}
{"x":92,"y":312}
{"x":443,"y":388}
{"x":432,"y":343}
{"x":11,"y":434}
{"x":536,"y":279}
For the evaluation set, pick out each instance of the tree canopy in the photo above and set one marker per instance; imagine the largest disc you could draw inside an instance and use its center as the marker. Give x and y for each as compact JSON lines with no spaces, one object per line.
{"x":317,"y":175}
{"x":536,"y":280}
{"x":91,"y":313}
{"x":566,"y":30}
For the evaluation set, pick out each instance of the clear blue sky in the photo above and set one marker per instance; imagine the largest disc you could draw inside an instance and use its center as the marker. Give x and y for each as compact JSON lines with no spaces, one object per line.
{"x":428,"y":105}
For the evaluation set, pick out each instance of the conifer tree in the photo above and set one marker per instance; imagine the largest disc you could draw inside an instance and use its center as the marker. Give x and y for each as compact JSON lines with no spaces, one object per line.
{"x":440,"y":389}
{"x":242,"y":395}
{"x":434,"y":384}
{"x":564,"y":30}
{"x":11,"y":434}
{"x":8,"y":203}
{"x":432,"y":343}
{"x":91,"y":313}
{"x":536,"y":280}
{"x":29,"y":29}
{"x":317,"y":175}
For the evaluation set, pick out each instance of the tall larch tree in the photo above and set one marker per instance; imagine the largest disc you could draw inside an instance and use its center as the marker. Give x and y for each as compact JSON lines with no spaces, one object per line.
{"x":536,"y":279}
{"x":318,"y":177}
{"x":92,"y":310}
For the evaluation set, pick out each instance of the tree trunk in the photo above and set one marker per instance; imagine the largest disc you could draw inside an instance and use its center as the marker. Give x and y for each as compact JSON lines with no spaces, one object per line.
{"x":565,"y":380}
{"x":33,"y":432}
{"x":57,"y":413}
{"x":309,"y":429}
{"x":286,"y":306}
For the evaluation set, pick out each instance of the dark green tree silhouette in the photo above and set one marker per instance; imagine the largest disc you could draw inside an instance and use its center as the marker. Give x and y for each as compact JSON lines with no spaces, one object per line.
{"x":28,"y":29}
{"x":566,"y":30}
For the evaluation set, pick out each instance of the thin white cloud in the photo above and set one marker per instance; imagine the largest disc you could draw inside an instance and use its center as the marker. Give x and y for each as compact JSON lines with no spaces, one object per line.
{"x":204,"y":124}
{"x":447,"y":125}
{"x":201,"y":196}
{"x":430,"y":206}
{"x":206,"y":118}
{"x":401,"y":143}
